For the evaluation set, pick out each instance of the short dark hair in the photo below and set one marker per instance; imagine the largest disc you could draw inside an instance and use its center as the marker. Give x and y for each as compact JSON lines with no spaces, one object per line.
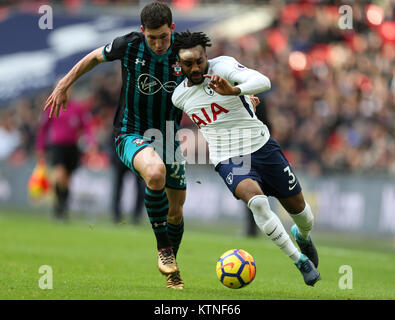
{"x":156,"y":14}
{"x":187,"y":40}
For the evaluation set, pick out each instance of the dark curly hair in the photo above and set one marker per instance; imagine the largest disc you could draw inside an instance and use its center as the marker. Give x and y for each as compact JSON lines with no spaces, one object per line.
{"x":187,"y":40}
{"x":156,"y":14}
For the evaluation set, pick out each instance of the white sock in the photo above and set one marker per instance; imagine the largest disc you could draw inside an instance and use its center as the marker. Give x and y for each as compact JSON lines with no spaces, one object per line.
{"x":271,"y":225}
{"x":304,"y":220}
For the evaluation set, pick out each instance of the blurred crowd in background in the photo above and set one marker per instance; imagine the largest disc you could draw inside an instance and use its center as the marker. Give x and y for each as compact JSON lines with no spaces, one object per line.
{"x":332,"y":102}
{"x":331,"y":105}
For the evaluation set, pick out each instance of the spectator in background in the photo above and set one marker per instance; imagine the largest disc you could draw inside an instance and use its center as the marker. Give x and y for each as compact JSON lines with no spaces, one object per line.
{"x":10,"y":136}
{"x":106,"y":87}
{"x":335,"y":112}
{"x":27,"y":125}
{"x":59,"y":140}
{"x":331,"y":106}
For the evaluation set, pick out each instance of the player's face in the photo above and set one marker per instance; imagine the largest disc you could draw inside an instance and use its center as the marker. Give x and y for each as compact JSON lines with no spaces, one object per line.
{"x":193,"y":62}
{"x":159,"y":40}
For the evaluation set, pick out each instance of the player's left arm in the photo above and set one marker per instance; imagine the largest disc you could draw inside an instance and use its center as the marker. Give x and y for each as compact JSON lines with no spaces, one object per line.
{"x":247,"y":81}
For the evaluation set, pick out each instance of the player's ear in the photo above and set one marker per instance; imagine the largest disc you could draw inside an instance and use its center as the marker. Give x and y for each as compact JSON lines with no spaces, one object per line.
{"x":142,"y":29}
{"x":172,"y":27}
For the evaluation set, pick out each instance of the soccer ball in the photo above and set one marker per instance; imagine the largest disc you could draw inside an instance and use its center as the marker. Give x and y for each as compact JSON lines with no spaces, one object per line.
{"x":236,"y":268}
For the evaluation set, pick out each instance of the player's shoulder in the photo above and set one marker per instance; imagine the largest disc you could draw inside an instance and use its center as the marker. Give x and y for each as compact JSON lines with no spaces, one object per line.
{"x":222,"y":59}
{"x":122,"y":42}
{"x":223,"y":63}
{"x":117,"y":48}
{"x":132,"y":38}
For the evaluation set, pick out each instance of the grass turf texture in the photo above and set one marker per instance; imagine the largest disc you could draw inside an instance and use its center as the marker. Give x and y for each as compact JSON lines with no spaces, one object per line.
{"x":104,"y":261}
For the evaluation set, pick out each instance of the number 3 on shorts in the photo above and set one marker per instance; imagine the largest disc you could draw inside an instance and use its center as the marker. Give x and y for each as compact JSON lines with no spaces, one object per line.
{"x":292,"y":177}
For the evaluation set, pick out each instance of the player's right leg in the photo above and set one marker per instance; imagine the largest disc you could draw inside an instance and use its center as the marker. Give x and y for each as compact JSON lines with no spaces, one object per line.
{"x":136,"y":153}
{"x":250,"y":192}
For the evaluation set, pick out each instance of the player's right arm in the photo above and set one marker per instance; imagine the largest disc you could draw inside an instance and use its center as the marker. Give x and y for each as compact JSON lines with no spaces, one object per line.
{"x":59,"y":96}
{"x":57,"y":101}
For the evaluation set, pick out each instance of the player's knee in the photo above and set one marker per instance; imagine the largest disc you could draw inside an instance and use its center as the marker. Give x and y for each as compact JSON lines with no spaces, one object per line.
{"x":259,"y":204}
{"x":299,"y":207}
{"x":247,"y":189}
{"x":155,"y":176}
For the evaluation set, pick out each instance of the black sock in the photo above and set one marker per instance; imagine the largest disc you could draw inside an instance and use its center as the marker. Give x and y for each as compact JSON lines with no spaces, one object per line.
{"x":175,"y":232}
{"x":62,"y":195}
{"x":157,"y":206}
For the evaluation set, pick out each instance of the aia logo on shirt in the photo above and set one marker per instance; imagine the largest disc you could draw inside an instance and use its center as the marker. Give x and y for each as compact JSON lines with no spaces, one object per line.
{"x":215,"y":111}
{"x":177,"y":71}
{"x":139,"y":142}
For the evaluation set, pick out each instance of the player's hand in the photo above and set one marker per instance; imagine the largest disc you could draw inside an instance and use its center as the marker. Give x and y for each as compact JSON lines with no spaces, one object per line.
{"x":57,"y":101}
{"x":255,"y":101}
{"x":221,"y":86}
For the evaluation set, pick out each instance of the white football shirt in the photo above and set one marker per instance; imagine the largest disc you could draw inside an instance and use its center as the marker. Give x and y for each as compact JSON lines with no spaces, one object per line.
{"x":228,"y":123}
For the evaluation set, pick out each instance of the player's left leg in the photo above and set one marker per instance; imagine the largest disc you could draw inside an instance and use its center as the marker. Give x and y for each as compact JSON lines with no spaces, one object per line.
{"x":175,"y":230}
{"x":61,"y":178}
{"x":303,"y":217}
{"x":176,"y":193}
{"x":175,"y":220}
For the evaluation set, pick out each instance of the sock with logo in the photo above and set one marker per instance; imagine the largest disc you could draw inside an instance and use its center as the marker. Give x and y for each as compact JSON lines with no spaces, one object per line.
{"x":271,"y":225}
{"x":304,"y":220}
{"x":157,"y":206}
{"x":175,"y":232}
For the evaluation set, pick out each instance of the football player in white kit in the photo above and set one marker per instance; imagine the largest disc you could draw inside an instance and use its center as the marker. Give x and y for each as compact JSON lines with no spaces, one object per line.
{"x":215,"y":95}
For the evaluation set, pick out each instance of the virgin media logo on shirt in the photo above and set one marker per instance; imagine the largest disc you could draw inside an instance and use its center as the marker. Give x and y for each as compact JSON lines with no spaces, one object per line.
{"x":149,"y":85}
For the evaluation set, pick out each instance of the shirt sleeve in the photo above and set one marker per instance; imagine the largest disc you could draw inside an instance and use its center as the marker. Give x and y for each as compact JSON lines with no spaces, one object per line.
{"x":248,"y":80}
{"x":116,"y":49}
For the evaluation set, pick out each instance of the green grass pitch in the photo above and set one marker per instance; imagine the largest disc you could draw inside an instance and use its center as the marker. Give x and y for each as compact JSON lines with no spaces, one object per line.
{"x":103,"y":261}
